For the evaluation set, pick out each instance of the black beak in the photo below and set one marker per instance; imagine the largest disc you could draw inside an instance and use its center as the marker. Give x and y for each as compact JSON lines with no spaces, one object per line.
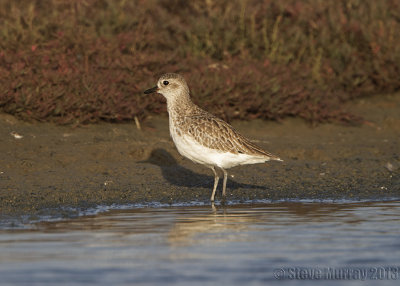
{"x":151,"y":90}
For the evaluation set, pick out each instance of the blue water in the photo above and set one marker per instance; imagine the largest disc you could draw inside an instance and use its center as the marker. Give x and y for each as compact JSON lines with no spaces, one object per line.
{"x":294,"y":243}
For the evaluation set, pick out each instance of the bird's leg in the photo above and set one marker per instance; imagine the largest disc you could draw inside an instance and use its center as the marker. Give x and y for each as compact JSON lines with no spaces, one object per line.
{"x":224,"y":186}
{"x":214,"y":209}
{"x":216,"y":179}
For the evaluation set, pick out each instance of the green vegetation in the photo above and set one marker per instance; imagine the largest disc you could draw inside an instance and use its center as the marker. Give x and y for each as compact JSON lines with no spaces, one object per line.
{"x":81,"y":61}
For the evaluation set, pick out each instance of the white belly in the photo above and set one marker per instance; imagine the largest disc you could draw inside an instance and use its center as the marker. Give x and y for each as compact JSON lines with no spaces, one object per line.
{"x":192,"y":150}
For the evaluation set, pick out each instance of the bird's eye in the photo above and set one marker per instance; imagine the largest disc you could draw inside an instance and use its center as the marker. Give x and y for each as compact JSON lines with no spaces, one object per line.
{"x":165,"y":82}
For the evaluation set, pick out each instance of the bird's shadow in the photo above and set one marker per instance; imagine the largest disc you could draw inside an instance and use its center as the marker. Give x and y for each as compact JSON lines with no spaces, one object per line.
{"x":183,"y":177}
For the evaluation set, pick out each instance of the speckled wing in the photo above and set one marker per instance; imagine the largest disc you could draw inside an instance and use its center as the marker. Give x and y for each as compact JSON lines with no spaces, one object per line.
{"x":214,"y":133}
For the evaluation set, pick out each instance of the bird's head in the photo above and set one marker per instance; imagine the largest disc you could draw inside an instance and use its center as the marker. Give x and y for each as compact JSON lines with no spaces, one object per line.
{"x":171,"y":86}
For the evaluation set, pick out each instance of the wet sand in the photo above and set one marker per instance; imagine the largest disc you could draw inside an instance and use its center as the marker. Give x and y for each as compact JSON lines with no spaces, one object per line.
{"x":52,"y":168}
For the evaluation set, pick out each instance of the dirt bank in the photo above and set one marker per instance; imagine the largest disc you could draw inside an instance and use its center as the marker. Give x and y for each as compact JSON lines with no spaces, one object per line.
{"x":45,"y":168}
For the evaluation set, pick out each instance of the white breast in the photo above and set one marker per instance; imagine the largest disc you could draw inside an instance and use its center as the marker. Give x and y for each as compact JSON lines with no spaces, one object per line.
{"x":191,"y":149}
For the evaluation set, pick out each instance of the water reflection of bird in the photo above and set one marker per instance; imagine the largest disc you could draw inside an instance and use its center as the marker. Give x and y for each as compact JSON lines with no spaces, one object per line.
{"x":217,"y":227}
{"x":183,"y":177}
{"x":237,"y":222}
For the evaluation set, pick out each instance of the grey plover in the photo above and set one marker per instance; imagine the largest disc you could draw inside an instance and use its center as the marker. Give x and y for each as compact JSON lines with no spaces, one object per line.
{"x":203,"y":137}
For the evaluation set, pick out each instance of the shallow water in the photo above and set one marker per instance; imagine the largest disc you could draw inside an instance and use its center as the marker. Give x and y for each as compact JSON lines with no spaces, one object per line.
{"x":341,"y":243}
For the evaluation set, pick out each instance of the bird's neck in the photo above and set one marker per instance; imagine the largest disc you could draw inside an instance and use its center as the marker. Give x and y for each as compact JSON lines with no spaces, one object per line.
{"x":180,"y":105}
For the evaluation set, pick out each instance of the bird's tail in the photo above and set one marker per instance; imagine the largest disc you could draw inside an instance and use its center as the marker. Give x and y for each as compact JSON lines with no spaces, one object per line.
{"x":274,"y":158}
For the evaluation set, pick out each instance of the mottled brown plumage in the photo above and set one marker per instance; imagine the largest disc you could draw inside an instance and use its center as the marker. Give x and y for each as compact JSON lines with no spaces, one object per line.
{"x":203,"y":137}
{"x":214,"y":133}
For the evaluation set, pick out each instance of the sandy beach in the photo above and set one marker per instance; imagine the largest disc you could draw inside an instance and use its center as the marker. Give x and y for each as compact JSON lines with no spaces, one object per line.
{"x":46,"y":169}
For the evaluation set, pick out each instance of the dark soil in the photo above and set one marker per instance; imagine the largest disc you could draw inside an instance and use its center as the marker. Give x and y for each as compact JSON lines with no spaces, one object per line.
{"x":52,"y":167}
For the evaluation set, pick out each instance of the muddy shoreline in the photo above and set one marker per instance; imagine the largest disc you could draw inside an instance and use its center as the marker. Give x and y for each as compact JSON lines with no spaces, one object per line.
{"x":51,"y":167}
